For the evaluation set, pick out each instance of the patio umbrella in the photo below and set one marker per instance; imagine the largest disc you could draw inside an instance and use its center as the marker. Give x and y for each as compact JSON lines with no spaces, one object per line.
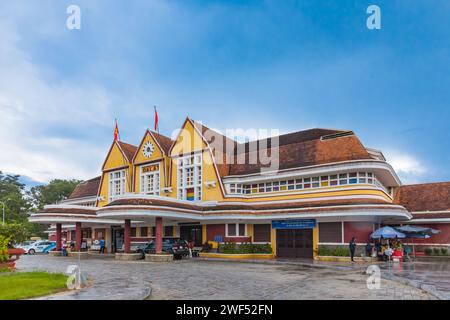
{"x":387,"y":233}
{"x":417,"y":230}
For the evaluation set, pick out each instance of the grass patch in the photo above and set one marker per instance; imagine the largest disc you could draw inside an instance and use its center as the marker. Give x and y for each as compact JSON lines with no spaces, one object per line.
{"x":23,"y":285}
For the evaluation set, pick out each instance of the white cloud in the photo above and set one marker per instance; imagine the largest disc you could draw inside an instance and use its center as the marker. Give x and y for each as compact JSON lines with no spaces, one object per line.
{"x":34,"y":113}
{"x":409,"y":168}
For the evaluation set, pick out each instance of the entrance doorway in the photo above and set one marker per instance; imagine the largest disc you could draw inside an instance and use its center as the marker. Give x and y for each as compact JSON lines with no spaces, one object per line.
{"x":192,"y":233}
{"x":294,"y":243}
{"x":117,"y":238}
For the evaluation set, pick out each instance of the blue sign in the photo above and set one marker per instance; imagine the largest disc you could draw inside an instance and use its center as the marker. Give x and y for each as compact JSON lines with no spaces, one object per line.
{"x":218,"y":238}
{"x":294,"y":224}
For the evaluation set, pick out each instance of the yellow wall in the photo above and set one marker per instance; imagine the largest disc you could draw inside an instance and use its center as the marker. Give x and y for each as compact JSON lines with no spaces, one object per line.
{"x":115,"y":161}
{"x":273,"y":236}
{"x":315,"y":240}
{"x":188,"y":141}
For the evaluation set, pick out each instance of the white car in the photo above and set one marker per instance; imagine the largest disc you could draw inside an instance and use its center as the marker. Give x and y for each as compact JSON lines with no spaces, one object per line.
{"x":42,"y":246}
{"x":24,"y":244}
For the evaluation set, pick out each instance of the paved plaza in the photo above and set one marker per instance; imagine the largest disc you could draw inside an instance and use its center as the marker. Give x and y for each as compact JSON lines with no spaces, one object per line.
{"x":198,"y":279}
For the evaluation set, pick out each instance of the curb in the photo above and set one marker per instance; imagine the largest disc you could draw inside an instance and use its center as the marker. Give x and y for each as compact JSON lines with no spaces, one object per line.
{"x":147,"y":294}
{"x":430,"y":289}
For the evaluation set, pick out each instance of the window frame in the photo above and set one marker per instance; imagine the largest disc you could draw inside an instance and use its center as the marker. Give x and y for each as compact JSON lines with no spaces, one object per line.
{"x":227,"y":235}
{"x":190,"y":169}
{"x":112,"y":186}
{"x":156,"y":182}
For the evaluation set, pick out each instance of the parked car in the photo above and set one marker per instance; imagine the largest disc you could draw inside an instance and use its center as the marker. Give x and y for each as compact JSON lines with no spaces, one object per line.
{"x":43,"y":246}
{"x":24,"y":244}
{"x":176,"y":246}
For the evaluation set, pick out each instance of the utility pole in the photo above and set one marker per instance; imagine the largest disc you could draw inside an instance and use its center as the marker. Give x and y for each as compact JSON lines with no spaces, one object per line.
{"x":3,"y":204}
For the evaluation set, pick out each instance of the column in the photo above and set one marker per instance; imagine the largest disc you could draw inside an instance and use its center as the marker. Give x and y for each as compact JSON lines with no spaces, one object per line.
{"x":78,"y":236}
{"x":58,"y":237}
{"x":159,"y":233}
{"x":126,"y":235}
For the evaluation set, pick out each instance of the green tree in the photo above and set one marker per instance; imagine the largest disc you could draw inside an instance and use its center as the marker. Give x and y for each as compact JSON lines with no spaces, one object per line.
{"x":54,"y":192}
{"x":12,"y":194}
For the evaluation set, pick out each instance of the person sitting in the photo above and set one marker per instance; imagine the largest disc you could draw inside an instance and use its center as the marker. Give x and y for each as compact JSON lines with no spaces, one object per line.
{"x":369,"y":249}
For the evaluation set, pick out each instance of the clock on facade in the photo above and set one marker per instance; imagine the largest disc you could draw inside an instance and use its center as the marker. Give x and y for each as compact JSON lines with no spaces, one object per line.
{"x":148,"y":149}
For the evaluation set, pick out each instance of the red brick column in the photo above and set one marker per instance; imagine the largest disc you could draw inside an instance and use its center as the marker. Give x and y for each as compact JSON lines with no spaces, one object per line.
{"x":78,"y":236}
{"x":58,"y":237}
{"x":126,"y":235}
{"x":159,"y":233}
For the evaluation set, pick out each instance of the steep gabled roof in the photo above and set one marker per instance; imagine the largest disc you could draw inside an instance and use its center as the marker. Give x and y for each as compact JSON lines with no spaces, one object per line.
{"x":163,"y":141}
{"x":128,"y":149}
{"x":88,"y":188}
{"x":424,"y":197}
{"x":303,"y":148}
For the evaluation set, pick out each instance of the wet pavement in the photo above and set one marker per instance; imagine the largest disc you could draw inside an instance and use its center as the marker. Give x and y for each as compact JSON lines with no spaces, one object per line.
{"x":212,"y":280}
{"x":433,"y":276}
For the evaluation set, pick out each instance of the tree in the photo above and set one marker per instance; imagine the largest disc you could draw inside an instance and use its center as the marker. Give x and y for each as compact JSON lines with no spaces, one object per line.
{"x":56,"y":191}
{"x":19,"y":203}
{"x":12,"y":194}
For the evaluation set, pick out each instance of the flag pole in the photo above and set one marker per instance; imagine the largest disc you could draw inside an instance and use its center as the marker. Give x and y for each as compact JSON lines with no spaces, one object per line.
{"x":156,"y":127}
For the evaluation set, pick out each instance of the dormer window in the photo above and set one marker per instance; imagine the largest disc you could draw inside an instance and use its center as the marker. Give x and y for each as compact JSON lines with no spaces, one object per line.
{"x":150,"y":179}
{"x":189,"y":177}
{"x":116,"y":184}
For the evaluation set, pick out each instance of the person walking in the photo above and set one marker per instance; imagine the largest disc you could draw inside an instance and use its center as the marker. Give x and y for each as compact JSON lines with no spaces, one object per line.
{"x":352,"y":247}
{"x":102,"y":245}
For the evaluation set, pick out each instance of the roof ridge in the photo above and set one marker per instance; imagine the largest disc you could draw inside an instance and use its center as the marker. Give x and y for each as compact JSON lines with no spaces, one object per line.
{"x":425,"y":184}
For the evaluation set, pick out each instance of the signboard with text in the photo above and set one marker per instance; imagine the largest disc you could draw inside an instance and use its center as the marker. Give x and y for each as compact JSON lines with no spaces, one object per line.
{"x":294,"y":224}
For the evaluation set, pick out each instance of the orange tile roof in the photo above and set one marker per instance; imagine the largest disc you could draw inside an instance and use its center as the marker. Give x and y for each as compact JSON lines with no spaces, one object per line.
{"x":88,"y":188}
{"x":128,"y":149}
{"x":424,"y":197}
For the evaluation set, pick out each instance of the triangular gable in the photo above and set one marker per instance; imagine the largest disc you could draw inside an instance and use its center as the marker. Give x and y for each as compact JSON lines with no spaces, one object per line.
{"x":158,"y":152}
{"x":188,"y":140}
{"x":191,"y":139}
{"x":116,"y":157}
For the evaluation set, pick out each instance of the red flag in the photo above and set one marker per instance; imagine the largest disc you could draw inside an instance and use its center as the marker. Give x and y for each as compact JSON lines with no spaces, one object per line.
{"x":116,"y":132}
{"x":156,"y":120}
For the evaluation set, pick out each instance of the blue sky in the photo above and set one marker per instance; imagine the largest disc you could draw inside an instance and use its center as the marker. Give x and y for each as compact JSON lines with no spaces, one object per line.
{"x":289,"y":65}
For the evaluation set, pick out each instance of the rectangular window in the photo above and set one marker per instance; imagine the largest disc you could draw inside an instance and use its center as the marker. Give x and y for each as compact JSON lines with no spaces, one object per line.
{"x":261,"y":232}
{"x":116,"y":184}
{"x":144,"y":232}
{"x":330,"y":232}
{"x":189,"y":178}
{"x":150,"y":180}
{"x":133,"y":232}
{"x":168,"y":231}
{"x":236,"y":230}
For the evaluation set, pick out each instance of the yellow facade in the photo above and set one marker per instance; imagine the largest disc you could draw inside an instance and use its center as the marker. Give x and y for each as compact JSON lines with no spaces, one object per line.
{"x":188,"y":141}
{"x":157,"y":158}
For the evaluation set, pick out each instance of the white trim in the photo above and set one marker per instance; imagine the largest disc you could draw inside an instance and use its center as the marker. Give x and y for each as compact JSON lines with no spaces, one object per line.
{"x":76,"y":201}
{"x":111,"y":184}
{"x":309,"y":191}
{"x":431,"y":220}
{"x":352,"y":165}
{"x":227,"y":235}
{"x":69,"y":206}
{"x":430,"y":212}
{"x":154,"y":174}
{"x":250,"y":215}
{"x":212,"y":203}
{"x":68,"y":220}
